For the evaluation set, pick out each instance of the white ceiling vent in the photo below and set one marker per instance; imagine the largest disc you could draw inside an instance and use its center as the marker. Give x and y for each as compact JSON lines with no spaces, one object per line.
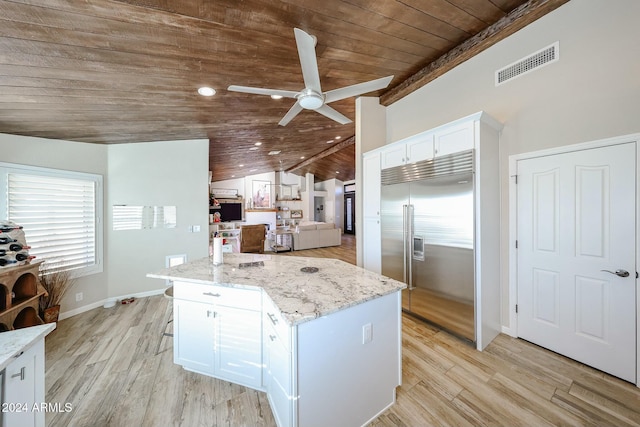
{"x":526,"y":65}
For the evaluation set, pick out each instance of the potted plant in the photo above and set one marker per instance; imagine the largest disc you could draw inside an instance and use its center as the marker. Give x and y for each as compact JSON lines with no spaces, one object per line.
{"x":57,"y":283}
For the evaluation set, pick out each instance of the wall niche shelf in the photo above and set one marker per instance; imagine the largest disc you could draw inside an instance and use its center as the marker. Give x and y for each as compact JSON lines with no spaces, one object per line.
{"x":20,"y":294}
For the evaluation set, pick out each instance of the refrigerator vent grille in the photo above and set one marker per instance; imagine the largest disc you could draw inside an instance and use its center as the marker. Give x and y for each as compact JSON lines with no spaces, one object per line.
{"x":440,"y":166}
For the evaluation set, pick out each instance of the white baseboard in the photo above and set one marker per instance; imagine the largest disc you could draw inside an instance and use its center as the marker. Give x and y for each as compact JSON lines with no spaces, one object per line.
{"x":509,"y":331}
{"x":108,"y":302}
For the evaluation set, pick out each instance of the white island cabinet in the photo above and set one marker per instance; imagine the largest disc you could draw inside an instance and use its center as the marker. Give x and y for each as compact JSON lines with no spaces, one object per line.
{"x":22,"y":366}
{"x":218,"y":332}
{"x":320,"y":336}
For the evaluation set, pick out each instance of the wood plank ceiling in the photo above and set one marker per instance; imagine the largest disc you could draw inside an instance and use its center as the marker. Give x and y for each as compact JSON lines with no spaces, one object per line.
{"x":121,"y":71}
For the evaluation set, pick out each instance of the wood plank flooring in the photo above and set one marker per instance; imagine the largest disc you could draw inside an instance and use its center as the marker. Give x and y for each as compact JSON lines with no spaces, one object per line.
{"x":104,"y":363}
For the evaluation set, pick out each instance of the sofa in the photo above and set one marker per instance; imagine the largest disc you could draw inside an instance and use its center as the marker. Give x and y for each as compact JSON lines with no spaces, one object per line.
{"x":310,"y":235}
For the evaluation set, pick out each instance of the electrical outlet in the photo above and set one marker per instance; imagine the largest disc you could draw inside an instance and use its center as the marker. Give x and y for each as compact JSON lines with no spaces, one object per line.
{"x":196,"y":228}
{"x":367,"y":333}
{"x":79,"y":296}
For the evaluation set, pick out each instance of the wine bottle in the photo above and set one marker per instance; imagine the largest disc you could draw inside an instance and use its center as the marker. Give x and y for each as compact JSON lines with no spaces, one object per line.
{"x":5,"y":228}
{"x":4,"y":240}
{"x":24,"y":256}
{"x":4,"y":261}
{"x":15,"y":247}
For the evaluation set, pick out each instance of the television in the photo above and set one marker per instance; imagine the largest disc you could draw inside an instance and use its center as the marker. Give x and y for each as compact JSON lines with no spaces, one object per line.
{"x":229,"y":209}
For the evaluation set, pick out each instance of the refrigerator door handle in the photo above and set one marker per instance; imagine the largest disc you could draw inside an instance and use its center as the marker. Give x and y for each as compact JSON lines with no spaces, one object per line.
{"x":409,"y":258}
{"x":404,"y":243}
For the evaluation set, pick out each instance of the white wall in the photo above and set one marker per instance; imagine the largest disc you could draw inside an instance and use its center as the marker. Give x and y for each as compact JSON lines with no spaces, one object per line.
{"x":171,"y":173}
{"x":70,"y":156}
{"x":230,"y":184}
{"x":592,"y":92}
{"x":333,"y":202}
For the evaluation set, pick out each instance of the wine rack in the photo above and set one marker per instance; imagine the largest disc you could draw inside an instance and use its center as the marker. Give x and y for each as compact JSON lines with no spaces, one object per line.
{"x":20,"y":294}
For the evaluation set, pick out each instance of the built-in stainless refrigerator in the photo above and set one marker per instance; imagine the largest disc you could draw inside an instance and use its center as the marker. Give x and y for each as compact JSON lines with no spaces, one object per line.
{"x":427,"y":224}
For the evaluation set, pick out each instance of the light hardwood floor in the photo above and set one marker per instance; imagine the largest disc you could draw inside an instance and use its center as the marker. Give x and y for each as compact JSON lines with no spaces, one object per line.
{"x":104,"y":363}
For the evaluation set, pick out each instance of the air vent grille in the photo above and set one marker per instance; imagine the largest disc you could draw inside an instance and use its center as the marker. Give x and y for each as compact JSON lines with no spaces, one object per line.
{"x":532,"y":62}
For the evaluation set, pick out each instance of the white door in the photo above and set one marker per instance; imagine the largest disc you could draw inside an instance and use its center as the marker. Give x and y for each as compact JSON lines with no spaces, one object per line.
{"x":576,"y":219}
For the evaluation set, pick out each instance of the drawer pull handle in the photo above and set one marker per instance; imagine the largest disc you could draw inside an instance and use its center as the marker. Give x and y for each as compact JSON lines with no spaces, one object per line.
{"x":273,"y":318}
{"x":272,"y":337}
{"x":210,"y":294}
{"x":20,"y":374}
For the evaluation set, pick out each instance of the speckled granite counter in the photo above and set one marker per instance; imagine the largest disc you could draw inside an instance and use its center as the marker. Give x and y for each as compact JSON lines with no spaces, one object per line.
{"x":300,"y":296}
{"x":13,"y":342}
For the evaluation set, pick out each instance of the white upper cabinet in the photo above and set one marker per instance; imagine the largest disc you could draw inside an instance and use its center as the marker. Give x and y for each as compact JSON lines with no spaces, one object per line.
{"x":454,"y":139}
{"x":420,"y":148}
{"x":393,"y":156}
{"x":411,"y":150}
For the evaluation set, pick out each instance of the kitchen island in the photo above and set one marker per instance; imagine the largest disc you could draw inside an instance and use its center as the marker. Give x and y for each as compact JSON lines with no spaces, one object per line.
{"x":321,"y":337}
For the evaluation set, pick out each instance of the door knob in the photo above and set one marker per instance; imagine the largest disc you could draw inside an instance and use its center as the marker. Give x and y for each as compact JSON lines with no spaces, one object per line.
{"x":621,"y":273}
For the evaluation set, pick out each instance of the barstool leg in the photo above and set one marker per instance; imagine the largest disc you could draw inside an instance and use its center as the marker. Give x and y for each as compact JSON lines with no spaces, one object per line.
{"x":165,"y":322}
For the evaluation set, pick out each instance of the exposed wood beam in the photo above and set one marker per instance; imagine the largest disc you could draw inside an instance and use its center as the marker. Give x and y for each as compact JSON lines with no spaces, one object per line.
{"x":519,"y":18}
{"x":333,"y":149}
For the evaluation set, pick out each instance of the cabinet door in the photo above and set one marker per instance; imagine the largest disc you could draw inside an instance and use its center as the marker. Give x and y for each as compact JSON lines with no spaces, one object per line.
{"x":393,"y":156}
{"x":454,"y":139}
{"x":371,"y":184}
{"x":239,"y":346}
{"x":194,"y":337}
{"x":371,"y":255}
{"x":421,"y":149}
{"x":24,"y":388}
{"x":279,"y":386}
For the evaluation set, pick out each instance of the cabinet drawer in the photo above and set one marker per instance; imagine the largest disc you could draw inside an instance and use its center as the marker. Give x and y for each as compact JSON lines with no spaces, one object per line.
{"x":274,"y":323}
{"x":249,"y":299}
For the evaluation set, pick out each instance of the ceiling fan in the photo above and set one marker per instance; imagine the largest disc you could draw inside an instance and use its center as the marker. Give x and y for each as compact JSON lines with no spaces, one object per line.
{"x":312,"y":97}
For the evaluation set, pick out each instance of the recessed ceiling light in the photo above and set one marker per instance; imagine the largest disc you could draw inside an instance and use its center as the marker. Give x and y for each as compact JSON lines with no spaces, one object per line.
{"x":330,"y":141}
{"x":252,"y":170}
{"x":302,"y":157}
{"x":338,"y":137}
{"x":273,"y":153}
{"x":233,"y":176}
{"x":337,"y":171}
{"x":276,"y":96}
{"x":241,"y":166}
{"x":206,"y":91}
{"x":253,"y":148}
{"x":258,"y":144}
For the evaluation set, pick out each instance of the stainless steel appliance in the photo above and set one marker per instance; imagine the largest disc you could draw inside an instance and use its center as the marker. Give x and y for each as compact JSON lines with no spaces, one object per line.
{"x":427,"y":224}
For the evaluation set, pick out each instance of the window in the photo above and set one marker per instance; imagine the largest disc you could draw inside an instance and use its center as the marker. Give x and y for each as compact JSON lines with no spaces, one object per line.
{"x":60,"y":213}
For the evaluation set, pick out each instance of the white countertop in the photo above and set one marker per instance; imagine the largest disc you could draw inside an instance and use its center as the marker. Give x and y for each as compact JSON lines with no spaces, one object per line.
{"x":12,"y":343}
{"x":300,"y":296}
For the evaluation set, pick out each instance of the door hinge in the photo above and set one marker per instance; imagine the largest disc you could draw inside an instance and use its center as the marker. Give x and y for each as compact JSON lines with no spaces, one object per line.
{"x":516,"y":178}
{"x":516,"y":308}
{"x":516,"y":244}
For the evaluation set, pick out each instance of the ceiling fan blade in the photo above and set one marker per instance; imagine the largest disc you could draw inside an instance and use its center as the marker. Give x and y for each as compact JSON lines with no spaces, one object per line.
{"x":308,"y":62}
{"x":261,"y":91}
{"x":327,"y":111}
{"x":357,"y":89}
{"x":293,"y":111}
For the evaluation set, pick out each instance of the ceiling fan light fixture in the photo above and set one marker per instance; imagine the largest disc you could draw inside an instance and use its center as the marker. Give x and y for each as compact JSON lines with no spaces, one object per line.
{"x":310,"y":100}
{"x":206,"y":91}
{"x":276,"y":96}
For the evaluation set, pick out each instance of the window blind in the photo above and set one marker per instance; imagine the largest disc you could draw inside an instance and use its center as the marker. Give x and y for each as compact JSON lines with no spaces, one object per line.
{"x":58,"y":216}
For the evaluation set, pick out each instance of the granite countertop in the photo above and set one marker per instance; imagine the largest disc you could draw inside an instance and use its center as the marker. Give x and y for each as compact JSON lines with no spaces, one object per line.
{"x":300,"y":296}
{"x":14,"y":342}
